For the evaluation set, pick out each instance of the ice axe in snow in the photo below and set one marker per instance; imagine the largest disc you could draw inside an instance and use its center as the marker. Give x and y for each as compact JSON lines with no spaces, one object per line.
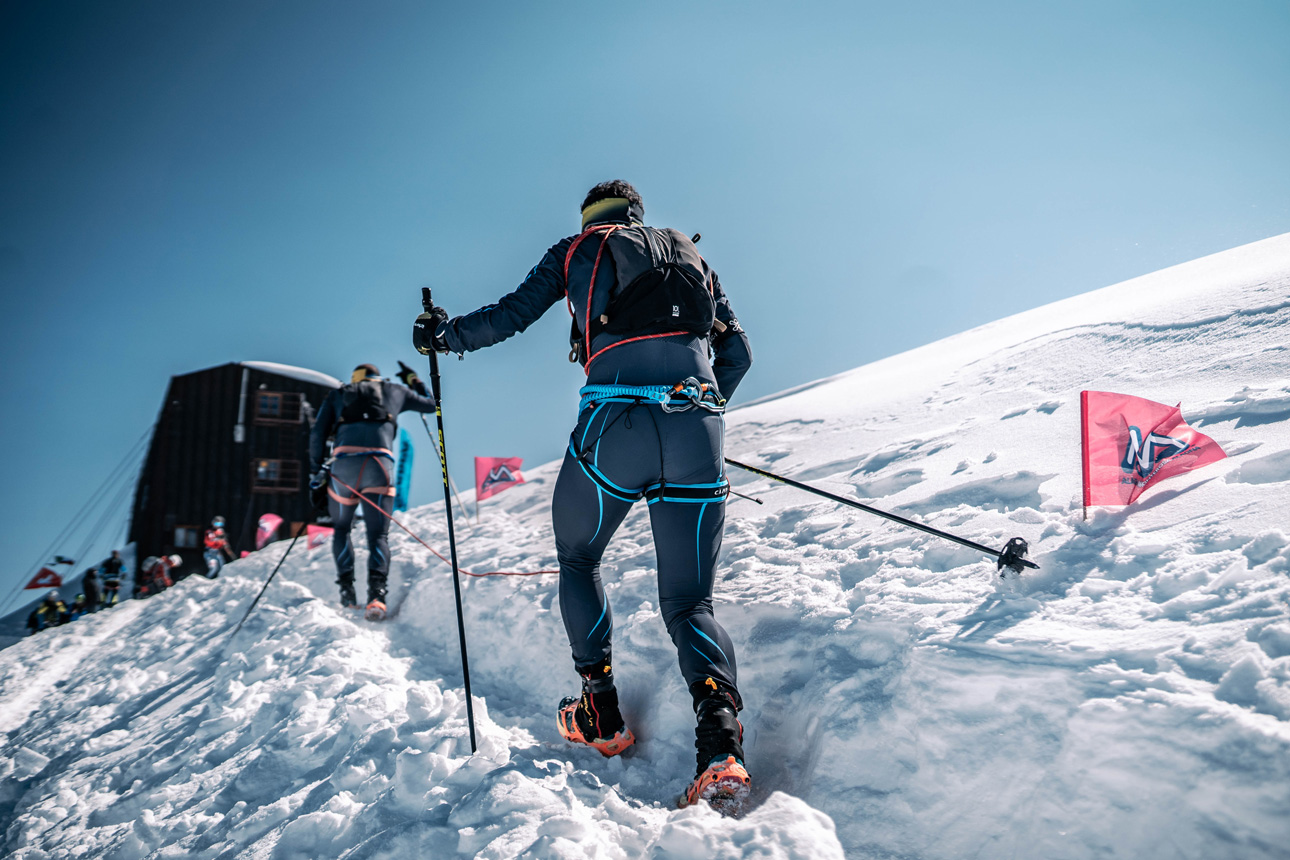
{"x":1012,"y":556}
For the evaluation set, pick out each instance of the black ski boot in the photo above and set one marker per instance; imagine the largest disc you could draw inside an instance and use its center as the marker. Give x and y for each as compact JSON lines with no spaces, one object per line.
{"x":348,"y":599}
{"x":594,"y":719}
{"x":375,"y":596}
{"x":720,"y":777}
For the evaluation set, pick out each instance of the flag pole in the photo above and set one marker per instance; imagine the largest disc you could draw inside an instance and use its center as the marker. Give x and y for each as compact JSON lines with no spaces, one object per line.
{"x":1083,"y":445}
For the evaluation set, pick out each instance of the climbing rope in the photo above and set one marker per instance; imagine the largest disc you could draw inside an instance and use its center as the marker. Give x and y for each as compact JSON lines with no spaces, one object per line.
{"x":437,"y":554}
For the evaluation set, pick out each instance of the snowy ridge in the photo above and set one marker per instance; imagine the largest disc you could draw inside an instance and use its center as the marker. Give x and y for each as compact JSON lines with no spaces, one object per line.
{"x":1129,"y":699}
{"x":302,"y":373}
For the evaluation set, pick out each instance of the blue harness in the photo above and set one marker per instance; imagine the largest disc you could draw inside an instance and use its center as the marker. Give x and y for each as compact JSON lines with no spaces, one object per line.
{"x":691,"y":394}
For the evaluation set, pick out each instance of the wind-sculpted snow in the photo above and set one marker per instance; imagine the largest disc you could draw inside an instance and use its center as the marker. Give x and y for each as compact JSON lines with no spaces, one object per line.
{"x":304,"y":736}
{"x":1129,"y":699}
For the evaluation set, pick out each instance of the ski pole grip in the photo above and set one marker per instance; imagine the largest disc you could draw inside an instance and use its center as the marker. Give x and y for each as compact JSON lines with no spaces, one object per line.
{"x":426,"y":302}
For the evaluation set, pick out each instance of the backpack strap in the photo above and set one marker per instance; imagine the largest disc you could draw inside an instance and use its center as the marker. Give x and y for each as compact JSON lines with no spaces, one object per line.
{"x":605,"y":349}
{"x":355,"y":405}
{"x":568,"y":258}
{"x":595,"y":228}
{"x":608,"y":230}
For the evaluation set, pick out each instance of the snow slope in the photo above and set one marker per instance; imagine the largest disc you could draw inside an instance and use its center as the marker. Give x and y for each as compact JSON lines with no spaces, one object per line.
{"x":1129,"y":699}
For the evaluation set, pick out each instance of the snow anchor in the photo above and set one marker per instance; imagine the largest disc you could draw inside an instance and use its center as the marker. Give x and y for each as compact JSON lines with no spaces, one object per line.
{"x":1012,"y":556}
{"x":428,"y":304}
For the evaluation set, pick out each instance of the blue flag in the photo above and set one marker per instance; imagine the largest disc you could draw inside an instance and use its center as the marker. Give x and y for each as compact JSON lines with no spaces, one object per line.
{"x":403,"y":472}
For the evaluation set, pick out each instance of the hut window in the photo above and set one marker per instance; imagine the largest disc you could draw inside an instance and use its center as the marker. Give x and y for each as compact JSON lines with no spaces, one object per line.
{"x":278,"y":407}
{"x":275,"y":476}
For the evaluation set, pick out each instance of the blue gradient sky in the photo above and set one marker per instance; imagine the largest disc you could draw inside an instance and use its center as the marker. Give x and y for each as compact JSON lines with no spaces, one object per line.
{"x":183,"y":185}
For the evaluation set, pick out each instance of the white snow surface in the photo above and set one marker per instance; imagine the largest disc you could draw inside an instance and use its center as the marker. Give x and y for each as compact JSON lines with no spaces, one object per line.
{"x":302,"y":373}
{"x":1131,"y":698}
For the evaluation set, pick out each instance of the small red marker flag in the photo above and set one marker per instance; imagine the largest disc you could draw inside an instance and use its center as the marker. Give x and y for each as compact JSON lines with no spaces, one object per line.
{"x":1131,"y":443}
{"x":318,"y":535}
{"x":266,"y":528}
{"x":45,"y":579}
{"x":494,"y":474}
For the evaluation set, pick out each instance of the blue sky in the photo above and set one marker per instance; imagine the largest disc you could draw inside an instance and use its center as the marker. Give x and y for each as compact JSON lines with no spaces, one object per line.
{"x":183,"y":185}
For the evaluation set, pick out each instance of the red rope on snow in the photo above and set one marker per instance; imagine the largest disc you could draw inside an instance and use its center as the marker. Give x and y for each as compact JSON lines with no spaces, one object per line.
{"x":426,"y":545}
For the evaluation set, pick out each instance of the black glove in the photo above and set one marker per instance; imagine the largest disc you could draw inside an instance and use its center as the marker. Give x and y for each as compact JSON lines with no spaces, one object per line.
{"x":425,"y":330}
{"x":721,"y":331}
{"x":318,"y":483}
{"x":409,"y":377}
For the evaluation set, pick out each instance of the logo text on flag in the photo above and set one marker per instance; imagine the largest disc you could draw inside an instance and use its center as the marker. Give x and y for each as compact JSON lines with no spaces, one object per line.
{"x":1130,"y":443}
{"x":1144,"y":456}
{"x":494,"y":474}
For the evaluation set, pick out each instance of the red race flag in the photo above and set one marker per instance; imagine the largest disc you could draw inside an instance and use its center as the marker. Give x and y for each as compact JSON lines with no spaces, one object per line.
{"x":494,"y":474}
{"x":264,"y":532}
{"x":45,"y":579}
{"x":1131,"y":443}
{"x":318,"y":535}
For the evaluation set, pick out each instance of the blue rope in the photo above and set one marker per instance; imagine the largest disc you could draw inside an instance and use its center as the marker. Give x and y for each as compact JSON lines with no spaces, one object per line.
{"x":663,"y":395}
{"x":596,"y":393}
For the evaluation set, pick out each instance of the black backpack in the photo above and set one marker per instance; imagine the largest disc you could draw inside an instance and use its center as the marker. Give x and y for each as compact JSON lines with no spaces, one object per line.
{"x":364,"y":401}
{"x":660,"y":289}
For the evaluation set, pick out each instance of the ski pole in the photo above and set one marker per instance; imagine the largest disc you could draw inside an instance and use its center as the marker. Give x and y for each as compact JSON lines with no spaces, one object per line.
{"x":1012,"y":556}
{"x":428,"y":305}
{"x":250,"y":608}
{"x":455,"y":491}
{"x":430,"y":435}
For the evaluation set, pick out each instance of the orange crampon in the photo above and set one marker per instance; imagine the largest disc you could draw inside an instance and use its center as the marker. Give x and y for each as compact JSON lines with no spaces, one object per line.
{"x":567,"y":722}
{"x":724,"y":785}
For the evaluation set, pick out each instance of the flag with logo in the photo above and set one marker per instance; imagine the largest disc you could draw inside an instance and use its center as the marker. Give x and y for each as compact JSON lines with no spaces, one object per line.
{"x":403,"y":472}
{"x":45,"y":579}
{"x":318,"y":535}
{"x":494,"y":474}
{"x":267,"y":527}
{"x":1131,"y":443}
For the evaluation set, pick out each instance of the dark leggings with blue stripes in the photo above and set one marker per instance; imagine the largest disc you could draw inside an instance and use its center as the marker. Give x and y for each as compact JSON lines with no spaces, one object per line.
{"x":674,"y":460}
{"x":370,"y":475}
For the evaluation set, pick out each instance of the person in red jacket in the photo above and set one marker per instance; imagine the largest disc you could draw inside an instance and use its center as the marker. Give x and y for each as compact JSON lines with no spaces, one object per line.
{"x":216,"y":548}
{"x":154,"y":574}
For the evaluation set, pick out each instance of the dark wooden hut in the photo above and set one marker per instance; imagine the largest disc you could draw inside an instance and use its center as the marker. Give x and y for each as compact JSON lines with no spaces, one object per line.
{"x":231,"y":441}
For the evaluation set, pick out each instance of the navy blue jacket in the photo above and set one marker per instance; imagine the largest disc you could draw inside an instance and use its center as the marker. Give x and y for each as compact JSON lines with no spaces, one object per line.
{"x":362,"y":434}
{"x":660,"y":361}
